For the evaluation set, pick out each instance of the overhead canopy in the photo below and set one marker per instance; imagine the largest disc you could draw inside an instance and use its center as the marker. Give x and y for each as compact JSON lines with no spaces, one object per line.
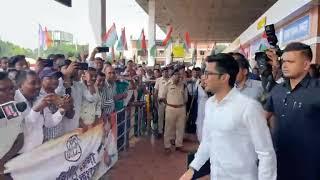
{"x":208,"y":20}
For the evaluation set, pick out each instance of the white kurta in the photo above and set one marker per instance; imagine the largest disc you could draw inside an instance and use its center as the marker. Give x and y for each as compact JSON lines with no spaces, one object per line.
{"x":202,"y":99}
{"x":235,"y":136}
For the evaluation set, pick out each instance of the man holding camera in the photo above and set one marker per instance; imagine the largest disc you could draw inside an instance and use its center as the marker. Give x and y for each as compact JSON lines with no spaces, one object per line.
{"x":295,"y":105}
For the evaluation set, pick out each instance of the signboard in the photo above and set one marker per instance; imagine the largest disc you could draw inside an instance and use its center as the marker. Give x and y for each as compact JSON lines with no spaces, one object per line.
{"x":297,"y":30}
{"x":178,"y":51}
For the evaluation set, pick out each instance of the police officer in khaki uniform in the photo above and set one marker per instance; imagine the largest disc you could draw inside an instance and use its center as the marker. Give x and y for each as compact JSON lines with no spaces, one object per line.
{"x":159,"y":87}
{"x":175,"y":96}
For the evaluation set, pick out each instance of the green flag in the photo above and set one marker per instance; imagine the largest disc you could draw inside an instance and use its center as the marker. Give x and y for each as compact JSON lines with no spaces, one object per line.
{"x":153,"y":51}
{"x":262,"y":47}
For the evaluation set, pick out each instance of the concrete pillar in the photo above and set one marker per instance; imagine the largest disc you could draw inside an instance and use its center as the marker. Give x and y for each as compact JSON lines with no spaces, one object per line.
{"x":103,"y":23}
{"x":168,"y":54}
{"x":151,"y":30}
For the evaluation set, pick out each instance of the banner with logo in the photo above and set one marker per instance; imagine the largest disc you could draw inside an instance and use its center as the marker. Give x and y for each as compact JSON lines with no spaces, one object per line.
{"x":76,"y":155}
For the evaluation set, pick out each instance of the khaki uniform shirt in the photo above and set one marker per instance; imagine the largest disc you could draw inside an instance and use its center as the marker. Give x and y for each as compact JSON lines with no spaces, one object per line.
{"x":160,"y":84}
{"x":175,"y":94}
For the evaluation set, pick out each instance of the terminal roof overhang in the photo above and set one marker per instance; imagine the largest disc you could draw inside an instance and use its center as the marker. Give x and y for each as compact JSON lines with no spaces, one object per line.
{"x":208,"y":20}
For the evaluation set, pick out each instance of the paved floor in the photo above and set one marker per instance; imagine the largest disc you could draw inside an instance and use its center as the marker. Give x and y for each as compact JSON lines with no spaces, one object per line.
{"x":146,"y":160}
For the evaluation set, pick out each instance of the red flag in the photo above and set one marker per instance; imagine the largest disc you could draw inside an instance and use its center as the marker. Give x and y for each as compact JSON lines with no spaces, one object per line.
{"x":124,"y":39}
{"x":187,"y":38}
{"x":143,"y":43}
{"x":48,"y":38}
{"x":165,"y":41}
{"x":264,"y":35}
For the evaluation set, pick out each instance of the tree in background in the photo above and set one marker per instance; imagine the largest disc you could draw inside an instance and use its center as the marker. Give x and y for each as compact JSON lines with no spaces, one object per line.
{"x":69,"y":50}
{"x":9,"y":49}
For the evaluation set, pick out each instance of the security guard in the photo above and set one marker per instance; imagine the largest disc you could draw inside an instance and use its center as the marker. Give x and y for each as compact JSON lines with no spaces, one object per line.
{"x":295,"y":104}
{"x":159,"y":86}
{"x":175,"y":96}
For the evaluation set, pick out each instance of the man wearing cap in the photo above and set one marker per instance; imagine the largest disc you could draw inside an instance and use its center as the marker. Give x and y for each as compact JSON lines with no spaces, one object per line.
{"x":58,"y":107}
{"x":175,"y":96}
{"x":159,"y":87}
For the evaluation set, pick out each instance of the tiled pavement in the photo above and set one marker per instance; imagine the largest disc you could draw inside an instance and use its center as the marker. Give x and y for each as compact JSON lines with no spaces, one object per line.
{"x":146,"y":160}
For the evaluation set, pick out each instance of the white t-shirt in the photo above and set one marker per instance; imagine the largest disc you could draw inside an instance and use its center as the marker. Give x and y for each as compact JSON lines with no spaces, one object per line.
{"x":9,"y":131}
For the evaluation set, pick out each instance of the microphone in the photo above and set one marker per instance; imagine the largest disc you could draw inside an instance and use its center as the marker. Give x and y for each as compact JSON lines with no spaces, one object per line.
{"x":12,"y":109}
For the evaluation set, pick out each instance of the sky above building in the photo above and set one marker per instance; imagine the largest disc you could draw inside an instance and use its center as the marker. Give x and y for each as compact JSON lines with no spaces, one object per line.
{"x":20,"y":19}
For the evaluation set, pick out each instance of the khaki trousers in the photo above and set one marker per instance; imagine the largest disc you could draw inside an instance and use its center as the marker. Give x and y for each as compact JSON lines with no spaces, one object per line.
{"x":161,"y":110}
{"x":174,"y":126}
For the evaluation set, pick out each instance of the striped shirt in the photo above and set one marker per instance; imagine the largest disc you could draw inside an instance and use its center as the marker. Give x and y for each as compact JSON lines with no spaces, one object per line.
{"x":53,"y":126}
{"x":107,"y":94}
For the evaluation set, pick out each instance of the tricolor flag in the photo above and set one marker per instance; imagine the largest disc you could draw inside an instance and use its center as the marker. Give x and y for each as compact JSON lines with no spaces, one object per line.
{"x":168,"y":36}
{"x":110,"y":38}
{"x":264,"y":45}
{"x":41,"y":37}
{"x":187,"y":41}
{"x":122,"y":42}
{"x":49,"y":41}
{"x":141,"y":43}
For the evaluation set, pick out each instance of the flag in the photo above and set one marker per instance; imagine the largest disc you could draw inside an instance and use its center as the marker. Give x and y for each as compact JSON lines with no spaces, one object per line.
{"x":110,"y":38}
{"x":122,"y":42}
{"x":168,"y":36}
{"x":263,"y":47}
{"x":244,"y":51}
{"x":41,"y":37}
{"x":48,"y":38}
{"x":187,"y":40}
{"x":264,"y":35}
{"x":262,"y":22}
{"x":153,"y":51}
{"x":168,"y":43}
{"x":141,"y":43}
{"x":264,"y":44}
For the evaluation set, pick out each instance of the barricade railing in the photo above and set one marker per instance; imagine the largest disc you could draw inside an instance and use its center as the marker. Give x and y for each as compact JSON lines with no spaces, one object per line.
{"x":126,"y":121}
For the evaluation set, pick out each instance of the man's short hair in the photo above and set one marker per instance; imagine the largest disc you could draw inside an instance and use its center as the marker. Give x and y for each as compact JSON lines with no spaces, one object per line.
{"x":15,"y":59}
{"x":56,"y":56}
{"x":225,"y":64}
{"x":91,"y":69}
{"x":236,"y":55}
{"x":22,"y":76}
{"x":108,"y":63}
{"x":4,"y":58}
{"x":196,"y":69}
{"x":243,"y":63}
{"x":101,"y":74}
{"x":298,"y":46}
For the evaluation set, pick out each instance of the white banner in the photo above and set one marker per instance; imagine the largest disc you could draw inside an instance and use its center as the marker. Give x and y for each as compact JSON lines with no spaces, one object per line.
{"x":77,"y":155}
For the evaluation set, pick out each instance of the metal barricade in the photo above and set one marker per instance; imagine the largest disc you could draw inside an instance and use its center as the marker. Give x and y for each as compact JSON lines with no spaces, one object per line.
{"x":123,"y":119}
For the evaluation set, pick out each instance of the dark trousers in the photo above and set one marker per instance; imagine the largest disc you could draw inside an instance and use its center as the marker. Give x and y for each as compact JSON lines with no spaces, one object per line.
{"x":203,"y":171}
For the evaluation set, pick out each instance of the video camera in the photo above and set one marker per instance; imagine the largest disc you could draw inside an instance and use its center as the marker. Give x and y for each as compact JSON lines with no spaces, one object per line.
{"x":262,"y":59}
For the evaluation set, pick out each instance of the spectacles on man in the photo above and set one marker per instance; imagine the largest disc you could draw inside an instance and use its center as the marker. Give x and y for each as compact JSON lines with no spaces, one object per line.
{"x":207,"y":73}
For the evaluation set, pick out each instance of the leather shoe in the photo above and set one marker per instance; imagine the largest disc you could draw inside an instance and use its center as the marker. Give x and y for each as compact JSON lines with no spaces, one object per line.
{"x":181,"y":149}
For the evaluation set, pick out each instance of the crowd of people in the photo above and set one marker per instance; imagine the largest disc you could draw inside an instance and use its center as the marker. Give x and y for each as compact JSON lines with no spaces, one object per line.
{"x":222,"y":104}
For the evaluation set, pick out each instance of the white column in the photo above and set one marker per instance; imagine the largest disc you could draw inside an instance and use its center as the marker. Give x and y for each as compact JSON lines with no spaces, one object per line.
{"x":168,"y":54}
{"x":97,"y":19}
{"x":151,"y":30}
